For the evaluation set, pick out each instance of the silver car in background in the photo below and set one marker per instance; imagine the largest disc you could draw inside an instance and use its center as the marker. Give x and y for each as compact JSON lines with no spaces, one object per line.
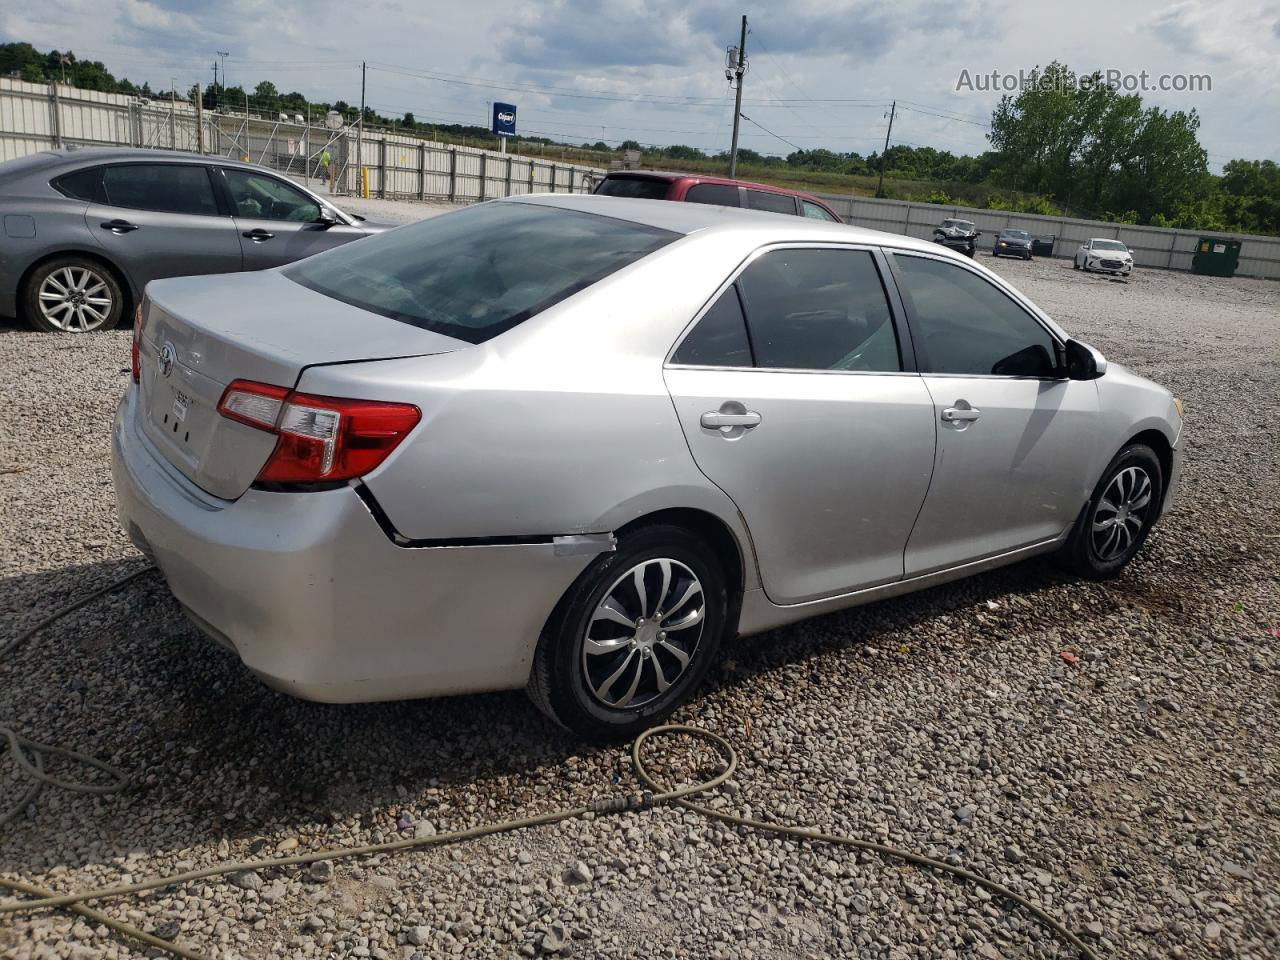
{"x":82,"y":232}
{"x":578,"y":444}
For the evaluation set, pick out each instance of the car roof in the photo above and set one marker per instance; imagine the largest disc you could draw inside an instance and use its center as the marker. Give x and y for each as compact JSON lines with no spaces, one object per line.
{"x":671,"y":176}
{"x":687,"y":218}
{"x":80,"y":156}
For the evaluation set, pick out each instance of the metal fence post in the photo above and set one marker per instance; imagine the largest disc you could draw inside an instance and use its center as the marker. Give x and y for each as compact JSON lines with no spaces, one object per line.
{"x":382,"y":168}
{"x":533,"y":169}
{"x":422,"y":170}
{"x":555,"y":172}
{"x":508,"y":175}
{"x":453,"y":174}
{"x":484,"y":175}
{"x":55,"y":114}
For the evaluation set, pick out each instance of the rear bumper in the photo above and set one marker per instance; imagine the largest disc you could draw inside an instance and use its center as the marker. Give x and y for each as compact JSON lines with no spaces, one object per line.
{"x":315,"y":599}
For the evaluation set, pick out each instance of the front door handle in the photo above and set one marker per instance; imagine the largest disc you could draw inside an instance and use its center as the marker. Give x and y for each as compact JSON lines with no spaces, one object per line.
{"x":257,"y":235}
{"x":714,"y":419}
{"x":960,"y":414}
{"x":118,"y":227}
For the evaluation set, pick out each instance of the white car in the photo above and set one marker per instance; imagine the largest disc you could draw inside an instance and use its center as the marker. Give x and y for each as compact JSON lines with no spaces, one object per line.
{"x":1106,"y":256}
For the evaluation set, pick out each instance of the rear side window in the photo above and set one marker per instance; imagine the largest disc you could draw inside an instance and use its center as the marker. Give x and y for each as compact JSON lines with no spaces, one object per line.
{"x":478,"y":272}
{"x":815,"y":212}
{"x":163,"y":187}
{"x":819,"y":309}
{"x":82,"y":185}
{"x":639,"y":188}
{"x":772,"y":202}
{"x":965,"y":324}
{"x":720,"y":338}
{"x":720,"y":194}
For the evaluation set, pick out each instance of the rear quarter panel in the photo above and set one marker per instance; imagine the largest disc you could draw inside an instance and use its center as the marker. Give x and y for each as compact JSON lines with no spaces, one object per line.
{"x":562,"y":425}
{"x":32,"y":229}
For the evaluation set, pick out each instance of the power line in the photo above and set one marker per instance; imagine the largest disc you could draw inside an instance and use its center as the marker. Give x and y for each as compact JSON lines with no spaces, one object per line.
{"x":771,"y":133}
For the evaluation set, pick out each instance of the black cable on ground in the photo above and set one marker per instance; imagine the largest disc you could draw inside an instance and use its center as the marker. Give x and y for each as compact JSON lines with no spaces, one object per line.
{"x":657,"y":793}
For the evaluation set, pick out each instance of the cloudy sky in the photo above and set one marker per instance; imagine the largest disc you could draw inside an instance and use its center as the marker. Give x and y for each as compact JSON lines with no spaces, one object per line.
{"x":587,"y":70}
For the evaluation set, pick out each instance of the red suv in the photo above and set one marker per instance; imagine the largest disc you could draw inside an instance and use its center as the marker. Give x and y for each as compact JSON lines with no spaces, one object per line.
{"x":653,"y":185}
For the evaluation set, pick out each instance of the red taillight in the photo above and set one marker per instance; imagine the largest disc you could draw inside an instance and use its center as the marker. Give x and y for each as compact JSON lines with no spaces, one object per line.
{"x":321,"y":439}
{"x":134,"y":360}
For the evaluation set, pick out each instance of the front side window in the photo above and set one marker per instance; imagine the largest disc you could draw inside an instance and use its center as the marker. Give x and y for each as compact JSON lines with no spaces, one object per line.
{"x":772,"y":202}
{"x":721,"y":194}
{"x":962,"y":323}
{"x":819,"y":309}
{"x":815,"y":212}
{"x":480,"y":271}
{"x":258,"y":197}
{"x":162,"y":187}
{"x":720,"y":338}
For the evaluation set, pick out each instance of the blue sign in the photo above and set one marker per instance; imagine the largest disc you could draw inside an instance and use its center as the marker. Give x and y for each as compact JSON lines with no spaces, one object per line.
{"x":504,"y":119}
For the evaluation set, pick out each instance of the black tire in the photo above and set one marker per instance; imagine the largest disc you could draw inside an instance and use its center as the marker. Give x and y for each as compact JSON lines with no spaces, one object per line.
{"x":1083,"y":554}
{"x":1075,"y":264}
{"x":559,"y":683}
{"x":96,"y":276}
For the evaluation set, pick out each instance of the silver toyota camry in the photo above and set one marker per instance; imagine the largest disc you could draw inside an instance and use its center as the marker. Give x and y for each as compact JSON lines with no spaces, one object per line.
{"x":579,"y":444}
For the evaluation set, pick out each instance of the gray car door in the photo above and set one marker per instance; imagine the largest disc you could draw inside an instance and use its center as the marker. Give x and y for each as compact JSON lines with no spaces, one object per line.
{"x":278,"y":223}
{"x":1015,"y":437}
{"x":162,"y":220}
{"x":807,"y":416}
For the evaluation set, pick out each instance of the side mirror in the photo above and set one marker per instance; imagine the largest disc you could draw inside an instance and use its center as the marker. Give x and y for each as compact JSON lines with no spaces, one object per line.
{"x":1084,"y":362}
{"x":326,"y":220}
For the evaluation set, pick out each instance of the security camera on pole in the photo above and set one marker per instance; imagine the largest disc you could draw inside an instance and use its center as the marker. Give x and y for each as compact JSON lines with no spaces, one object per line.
{"x":735,"y":67}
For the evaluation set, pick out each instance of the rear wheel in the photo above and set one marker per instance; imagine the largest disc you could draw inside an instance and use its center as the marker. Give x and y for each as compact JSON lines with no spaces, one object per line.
{"x":633,"y":637}
{"x":1115,"y":522}
{"x":73,"y":295}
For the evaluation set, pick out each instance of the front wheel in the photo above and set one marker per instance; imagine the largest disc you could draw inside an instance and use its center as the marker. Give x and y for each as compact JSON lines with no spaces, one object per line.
{"x":633,"y":637}
{"x":1115,"y":522}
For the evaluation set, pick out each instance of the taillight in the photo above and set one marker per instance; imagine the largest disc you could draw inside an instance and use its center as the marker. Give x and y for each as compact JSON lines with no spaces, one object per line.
{"x":321,"y":439}
{"x":135,"y":361}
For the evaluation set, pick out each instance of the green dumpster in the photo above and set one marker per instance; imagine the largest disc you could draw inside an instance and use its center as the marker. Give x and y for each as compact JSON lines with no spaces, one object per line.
{"x":1216,"y":257}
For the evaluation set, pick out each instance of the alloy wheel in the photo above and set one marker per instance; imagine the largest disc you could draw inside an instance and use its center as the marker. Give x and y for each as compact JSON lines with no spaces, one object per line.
{"x":644,"y":633}
{"x":75,"y":299}
{"x":1121,"y":513}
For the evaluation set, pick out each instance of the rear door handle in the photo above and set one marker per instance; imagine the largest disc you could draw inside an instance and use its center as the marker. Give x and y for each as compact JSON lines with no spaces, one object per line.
{"x":713,"y":419}
{"x":960,"y":414}
{"x":257,"y":235}
{"x":118,"y":226}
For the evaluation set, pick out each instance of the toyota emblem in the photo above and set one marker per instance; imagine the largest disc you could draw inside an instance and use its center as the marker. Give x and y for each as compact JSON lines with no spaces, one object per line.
{"x":168,"y":356}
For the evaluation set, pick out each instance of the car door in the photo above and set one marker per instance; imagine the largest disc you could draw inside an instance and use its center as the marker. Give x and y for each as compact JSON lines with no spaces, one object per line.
{"x":772,"y":202}
{"x":1015,"y":437}
{"x":160,"y":220}
{"x":797,"y":400}
{"x":276,"y":222}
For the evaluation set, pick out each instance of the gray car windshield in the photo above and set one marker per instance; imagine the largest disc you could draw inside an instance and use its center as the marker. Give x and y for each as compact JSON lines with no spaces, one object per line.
{"x":478,"y":272}
{"x":1109,"y":245}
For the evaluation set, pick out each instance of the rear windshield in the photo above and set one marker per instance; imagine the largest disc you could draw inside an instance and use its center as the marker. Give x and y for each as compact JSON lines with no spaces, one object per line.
{"x":641,"y":188}
{"x":480,"y":271}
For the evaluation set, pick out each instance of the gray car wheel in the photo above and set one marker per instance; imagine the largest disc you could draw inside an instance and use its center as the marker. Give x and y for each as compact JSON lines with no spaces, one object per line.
{"x":633,"y":637}
{"x":1115,"y":522}
{"x":73,"y":295}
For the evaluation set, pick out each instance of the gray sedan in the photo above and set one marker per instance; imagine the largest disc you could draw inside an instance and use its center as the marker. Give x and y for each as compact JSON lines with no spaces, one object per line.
{"x":84,"y":231}
{"x":579,"y":444}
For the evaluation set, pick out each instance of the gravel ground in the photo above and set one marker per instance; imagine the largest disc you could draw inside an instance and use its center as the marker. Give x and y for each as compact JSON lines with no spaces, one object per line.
{"x":1136,"y":795}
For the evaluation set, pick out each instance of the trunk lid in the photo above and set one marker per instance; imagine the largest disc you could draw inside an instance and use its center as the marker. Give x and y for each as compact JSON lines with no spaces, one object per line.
{"x":201,"y":333}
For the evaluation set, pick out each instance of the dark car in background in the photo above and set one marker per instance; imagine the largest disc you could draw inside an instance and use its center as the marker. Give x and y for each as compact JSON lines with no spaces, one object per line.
{"x":690,"y":188}
{"x":959,"y":235}
{"x":1012,"y":243}
{"x":84,"y":231}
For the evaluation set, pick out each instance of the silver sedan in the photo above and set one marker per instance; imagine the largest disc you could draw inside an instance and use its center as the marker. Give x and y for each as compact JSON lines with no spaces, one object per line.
{"x":580,"y":444}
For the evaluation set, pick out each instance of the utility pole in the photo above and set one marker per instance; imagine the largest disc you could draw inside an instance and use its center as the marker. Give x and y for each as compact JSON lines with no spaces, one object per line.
{"x":360,"y":133}
{"x":173,"y":110}
{"x":736,"y":72}
{"x":880,"y":187}
{"x":199,"y":121}
{"x":215,"y":85}
{"x":224,"y":54}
